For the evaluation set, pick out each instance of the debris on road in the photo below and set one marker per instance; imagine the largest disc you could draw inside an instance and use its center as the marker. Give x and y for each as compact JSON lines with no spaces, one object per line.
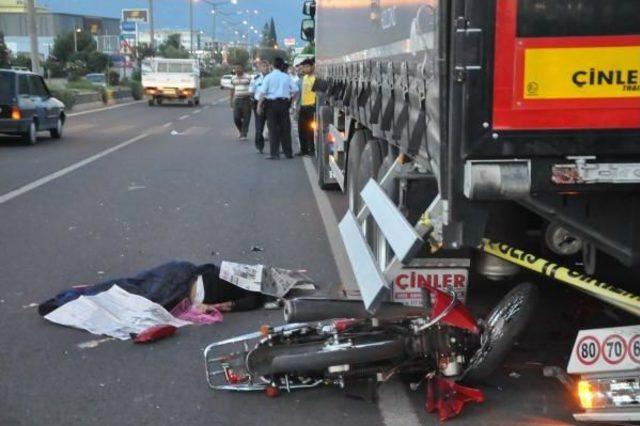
{"x":256,"y":248}
{"x":154,"y":333}
{"x":514,"y":375}
{"x":90,"y":344}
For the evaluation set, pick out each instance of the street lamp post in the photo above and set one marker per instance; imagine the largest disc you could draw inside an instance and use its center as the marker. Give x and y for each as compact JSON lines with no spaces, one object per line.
{"x":215,"y":5}
{"x":75,"y":39}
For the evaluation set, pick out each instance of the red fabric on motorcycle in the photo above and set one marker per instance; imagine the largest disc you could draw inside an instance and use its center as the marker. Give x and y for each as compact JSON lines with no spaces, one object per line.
{"x":458,"y":317}
{"x":449,"y":398}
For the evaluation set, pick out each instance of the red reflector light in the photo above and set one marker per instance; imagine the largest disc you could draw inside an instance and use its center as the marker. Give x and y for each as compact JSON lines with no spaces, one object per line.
{"x":16,"y":114}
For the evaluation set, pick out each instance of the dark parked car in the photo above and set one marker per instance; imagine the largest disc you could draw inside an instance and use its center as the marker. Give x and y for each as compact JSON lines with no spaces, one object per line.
{"x":27,"y":107}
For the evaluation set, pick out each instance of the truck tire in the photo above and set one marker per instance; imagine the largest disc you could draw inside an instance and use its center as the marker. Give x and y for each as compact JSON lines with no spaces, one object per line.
{"x":502,"y":327}
{"x":370,"y":161}
{"x":356,"y":146}
{"x":322,"y":154}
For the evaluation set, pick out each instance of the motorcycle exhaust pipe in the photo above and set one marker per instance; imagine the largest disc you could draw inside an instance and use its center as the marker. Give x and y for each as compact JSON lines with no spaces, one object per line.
{"x":309,"y":309}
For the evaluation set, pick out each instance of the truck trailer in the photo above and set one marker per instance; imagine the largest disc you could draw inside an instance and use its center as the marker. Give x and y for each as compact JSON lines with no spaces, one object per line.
{"x":462,"y":130}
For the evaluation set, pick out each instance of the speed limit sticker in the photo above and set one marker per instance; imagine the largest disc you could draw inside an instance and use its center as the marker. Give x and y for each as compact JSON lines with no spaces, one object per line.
{"x":588,"y":350}
{"x":604,"y":350}
{"x":614,"y":349}
{"x":634,"y":348}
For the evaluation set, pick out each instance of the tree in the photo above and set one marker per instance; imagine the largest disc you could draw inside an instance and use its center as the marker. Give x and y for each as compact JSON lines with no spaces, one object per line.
{"x":144,"y":50}
{"x":269,"y":36}
{"x":272,"y":33}
{"x":237,"y":56}
{"x":64,"y":46}
{"x":309,"y":49}
{"x":172,"y":48}
{"x":5,"y":59}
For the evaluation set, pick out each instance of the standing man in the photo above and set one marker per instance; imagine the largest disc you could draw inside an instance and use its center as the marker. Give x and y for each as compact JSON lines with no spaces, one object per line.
{"x":260,"y":119}
{"x":241,"y":102}
{"x":307,"y":109}
{"x":276,"y":94}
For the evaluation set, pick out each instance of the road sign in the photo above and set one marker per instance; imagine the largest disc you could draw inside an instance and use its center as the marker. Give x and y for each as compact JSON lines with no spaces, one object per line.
{"x":135,"y":15}
{"x":289,"y":41}
{"x":606,"y":349}
{"x":128,"y":26}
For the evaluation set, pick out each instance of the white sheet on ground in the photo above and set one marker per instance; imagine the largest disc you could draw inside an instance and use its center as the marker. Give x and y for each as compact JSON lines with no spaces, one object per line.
{"x":114,"y":312}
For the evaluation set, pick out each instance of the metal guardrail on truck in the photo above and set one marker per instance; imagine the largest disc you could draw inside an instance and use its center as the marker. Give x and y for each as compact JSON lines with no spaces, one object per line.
{"x":450,"y":122}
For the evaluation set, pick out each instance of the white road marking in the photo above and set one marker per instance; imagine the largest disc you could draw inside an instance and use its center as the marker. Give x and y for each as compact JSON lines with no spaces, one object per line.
{"x":75,"y":114}
{"x":183,"y":117}
{"x":167,"y":124}
{"x":198,"y":111}
{"x":394,"y":404}
{"x":330,"y":225}
{"x":53,"y":176}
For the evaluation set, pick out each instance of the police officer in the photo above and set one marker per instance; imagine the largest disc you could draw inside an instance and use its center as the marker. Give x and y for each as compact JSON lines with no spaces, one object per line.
{"x":307,"y":108}
{"x":260,"y":119}
{"x":276,"y":95}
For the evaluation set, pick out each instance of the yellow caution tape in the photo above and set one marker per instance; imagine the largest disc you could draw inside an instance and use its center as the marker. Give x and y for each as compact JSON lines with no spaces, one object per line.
{"x":618,"y":297}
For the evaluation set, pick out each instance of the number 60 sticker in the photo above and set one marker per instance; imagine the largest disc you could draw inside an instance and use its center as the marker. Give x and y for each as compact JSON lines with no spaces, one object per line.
{"x":634,"y":348}
{"x":588,"y":350}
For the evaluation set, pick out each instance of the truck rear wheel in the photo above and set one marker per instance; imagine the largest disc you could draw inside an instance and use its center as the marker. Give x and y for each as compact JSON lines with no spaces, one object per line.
{"x":356,"y":146}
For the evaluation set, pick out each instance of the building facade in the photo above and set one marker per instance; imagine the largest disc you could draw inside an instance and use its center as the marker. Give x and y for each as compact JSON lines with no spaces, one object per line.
{"x":15,"y":27}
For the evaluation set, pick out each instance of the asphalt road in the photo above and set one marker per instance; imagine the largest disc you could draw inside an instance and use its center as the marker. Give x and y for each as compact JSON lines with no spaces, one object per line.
{"x":198,"y":195}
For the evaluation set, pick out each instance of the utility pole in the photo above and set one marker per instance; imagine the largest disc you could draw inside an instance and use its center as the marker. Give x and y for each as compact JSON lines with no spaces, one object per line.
{"x":152,"y":42}
{"x":191,"y":26}
{"x":33,"y":36}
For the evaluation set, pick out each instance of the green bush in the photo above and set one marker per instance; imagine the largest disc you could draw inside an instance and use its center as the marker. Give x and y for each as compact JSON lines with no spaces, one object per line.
{"x":75,"y":70}
{"x":136,"y":90}
{"x":136,"y":75}
{"x":113,"y":78}
{"x":67,"y":97}
{"x":82,"y":84}
{"x":209,"y":82}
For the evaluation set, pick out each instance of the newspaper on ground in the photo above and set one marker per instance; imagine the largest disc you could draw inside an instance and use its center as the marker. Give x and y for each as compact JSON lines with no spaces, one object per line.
{"x":276,"y":282}
{"x":115,"y":312}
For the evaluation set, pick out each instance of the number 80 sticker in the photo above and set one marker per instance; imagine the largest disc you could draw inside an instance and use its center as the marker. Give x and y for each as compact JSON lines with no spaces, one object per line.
{"x":614,"y":349}
{"x":588,"y":350}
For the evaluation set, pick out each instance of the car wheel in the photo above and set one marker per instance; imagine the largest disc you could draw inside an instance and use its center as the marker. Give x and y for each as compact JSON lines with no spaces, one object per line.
{"x":31,"y":137}
{"x":56,"y":132}
{"x":152,"y":102}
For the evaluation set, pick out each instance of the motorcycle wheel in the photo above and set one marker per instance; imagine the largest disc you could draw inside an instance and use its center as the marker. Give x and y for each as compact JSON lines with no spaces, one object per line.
{"x":502,"y":327}
{"x":315,"y":357}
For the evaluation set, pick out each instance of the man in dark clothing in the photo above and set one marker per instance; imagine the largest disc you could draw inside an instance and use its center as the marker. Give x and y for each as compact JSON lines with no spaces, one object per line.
{"x":276,"y":94}
{"x":241,"y":102}
{"x":260,"y":119}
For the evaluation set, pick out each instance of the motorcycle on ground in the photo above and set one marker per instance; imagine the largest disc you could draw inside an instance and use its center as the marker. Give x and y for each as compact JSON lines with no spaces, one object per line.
{"x":337,"y":342}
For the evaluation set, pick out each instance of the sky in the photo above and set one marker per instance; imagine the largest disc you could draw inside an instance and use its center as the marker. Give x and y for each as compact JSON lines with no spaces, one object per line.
{"x":175,"y":13}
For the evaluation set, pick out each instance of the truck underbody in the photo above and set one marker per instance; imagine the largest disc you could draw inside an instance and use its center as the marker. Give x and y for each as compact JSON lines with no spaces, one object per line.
{"x":448,"y":123}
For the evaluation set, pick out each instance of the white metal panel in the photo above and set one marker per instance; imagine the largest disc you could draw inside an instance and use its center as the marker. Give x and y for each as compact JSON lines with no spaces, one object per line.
{"x":402,"y":237}
{"x":373,"y":285}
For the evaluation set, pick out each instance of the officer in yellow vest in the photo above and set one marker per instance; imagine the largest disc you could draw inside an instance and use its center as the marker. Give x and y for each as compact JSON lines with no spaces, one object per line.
{"x":307,"y":108}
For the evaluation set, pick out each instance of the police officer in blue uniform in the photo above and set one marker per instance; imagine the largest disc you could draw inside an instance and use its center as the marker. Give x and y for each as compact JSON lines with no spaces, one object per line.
{"x":276,"y":94}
